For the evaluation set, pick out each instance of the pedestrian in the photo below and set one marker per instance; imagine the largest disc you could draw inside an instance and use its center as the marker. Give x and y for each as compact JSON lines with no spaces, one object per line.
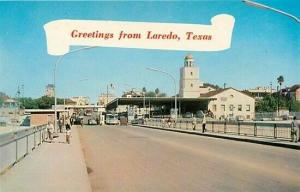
{"x":50,"y":130}
{"x":194,"y":123}
{"x":203,"y":124}
{"x":295,"y":130}
{"x":60,"y":124}
{"x":169,"y":122}
{"x":68,"y":133}
{"x":81,"y":122}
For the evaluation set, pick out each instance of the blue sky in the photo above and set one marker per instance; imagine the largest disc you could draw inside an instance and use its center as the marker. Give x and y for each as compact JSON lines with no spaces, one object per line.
{"x":264,"y":45}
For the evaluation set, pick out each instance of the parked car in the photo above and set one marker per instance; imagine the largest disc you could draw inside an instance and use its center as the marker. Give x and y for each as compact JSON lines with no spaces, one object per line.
{"x":188,"y":115}
{"x":92,"y":122}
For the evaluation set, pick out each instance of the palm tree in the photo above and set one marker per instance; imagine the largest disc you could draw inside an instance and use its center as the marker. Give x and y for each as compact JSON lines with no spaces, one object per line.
{"x":280,"y":80}
{"x":144,"y":89}
{"x":156,"y":92}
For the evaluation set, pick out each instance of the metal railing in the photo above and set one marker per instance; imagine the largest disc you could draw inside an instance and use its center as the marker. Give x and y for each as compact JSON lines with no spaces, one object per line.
{"x":274,"y":130}
{"x":15,"y":145}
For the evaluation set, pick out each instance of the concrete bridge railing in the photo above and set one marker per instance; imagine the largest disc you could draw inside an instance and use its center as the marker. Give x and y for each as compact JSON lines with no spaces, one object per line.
{"x":276,"y":130}
{"x":15,"y":145}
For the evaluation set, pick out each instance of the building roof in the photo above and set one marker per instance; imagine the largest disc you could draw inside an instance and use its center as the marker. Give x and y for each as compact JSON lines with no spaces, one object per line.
{"x":153,"y":100}
{"x":216,"y":92}
{"x":294,"y":87}
{"x":189,"y":56}
{"x":10,"y":101}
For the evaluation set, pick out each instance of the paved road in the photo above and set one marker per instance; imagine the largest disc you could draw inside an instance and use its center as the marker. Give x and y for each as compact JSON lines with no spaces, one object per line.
{"x":141,"y":159}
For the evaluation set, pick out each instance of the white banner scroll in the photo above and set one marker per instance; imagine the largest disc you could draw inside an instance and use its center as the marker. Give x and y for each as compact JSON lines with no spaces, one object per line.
{"x":61,"y":34}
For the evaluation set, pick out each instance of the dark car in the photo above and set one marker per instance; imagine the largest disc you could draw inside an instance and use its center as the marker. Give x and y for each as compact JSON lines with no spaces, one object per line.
{"x":77,"y":121}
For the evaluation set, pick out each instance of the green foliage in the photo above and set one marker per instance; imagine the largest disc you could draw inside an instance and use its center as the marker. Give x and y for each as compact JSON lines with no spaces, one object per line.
{"x":28,"y":103}
{"x":294,"y":106}
{"x":45,"y":102}
{"x":144,"y":89}
{"x":162,"y":95}
{"x":1,"y":101}
{"x":269,"y":103}
{"x":40,"y":103}
{"x":150,"y":94}
{"x":280,"y":80}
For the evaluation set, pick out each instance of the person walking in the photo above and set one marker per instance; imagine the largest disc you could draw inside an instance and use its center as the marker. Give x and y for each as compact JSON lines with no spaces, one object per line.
{"x":203,"y":124}
{"x":50,"y":129}
{"x":194,"y":123}
{"x":60,"y":124}
{"x":68,"y":133}
{"x":169,"y":122}
{"x":295,"y":130}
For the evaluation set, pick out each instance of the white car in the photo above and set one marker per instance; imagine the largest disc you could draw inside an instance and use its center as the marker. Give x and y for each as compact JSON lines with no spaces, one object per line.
{"x":92,"y":122}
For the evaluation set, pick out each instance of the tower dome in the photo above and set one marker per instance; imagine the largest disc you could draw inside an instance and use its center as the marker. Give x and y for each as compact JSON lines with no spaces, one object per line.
{"x":188,"y":60}
{"x":189,"y":56}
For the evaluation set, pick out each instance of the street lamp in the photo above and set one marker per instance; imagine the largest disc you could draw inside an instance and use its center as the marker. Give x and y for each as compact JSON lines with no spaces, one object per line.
{"x":174,"y":81}
{"x":54,"y":77}
{"x":259,"y":5}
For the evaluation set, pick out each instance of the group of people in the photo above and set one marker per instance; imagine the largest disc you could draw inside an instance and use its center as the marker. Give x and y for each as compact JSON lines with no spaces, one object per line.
{"x":194,"y":123}
{"x":61,"y":123}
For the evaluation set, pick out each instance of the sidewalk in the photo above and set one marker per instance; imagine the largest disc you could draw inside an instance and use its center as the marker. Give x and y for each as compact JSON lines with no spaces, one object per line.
{"x":52,"y":167}
{"x":250,"y":139}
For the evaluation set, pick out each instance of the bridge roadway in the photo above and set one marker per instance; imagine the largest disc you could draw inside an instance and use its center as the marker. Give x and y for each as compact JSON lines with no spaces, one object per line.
{"x":130,"y":158}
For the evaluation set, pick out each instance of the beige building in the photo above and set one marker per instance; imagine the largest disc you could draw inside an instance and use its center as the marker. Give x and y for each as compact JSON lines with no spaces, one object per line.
{"x":81,"y":100}
{"x":231,"y":103}
{"x":105,"y":98}
{"x":295,"y":92}
{"x":260,"y":92}
{"x":190,"y":84}
{"x":49,"y":91}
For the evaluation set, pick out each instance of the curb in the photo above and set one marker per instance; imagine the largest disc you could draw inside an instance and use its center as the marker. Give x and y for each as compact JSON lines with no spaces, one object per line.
{"x":284,"y":145}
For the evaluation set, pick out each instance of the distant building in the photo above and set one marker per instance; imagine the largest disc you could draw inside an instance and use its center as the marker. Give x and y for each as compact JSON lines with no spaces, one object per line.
{"x":190,"y":84}
{"x":49,"y":91}
{"x":133,"y":93}
{"x":105,"y":98}
{"x":260,"y":92}
{"x":81,"y":100}
{"x":294,"y":92}
{"x":231,"y":103}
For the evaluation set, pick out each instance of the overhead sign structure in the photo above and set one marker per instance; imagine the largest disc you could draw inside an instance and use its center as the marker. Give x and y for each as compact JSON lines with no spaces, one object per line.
{"x":61,"y":34}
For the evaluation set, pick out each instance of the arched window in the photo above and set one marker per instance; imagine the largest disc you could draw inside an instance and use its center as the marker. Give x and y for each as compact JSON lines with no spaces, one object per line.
{"x":191,"y":73}
{"x":192,"y":85}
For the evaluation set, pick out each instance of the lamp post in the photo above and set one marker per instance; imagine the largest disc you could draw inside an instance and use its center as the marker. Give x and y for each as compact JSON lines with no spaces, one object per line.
{"x":174,"y":81}
{"x":54,"y":78}
{"x":259,"y":5}
{"x":107,"y":87}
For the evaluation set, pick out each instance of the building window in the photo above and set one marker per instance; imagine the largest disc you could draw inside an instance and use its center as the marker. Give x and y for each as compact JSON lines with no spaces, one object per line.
{"x":191,"y":73}
{"x":231,"y":107}
{"x":247,"y":107}
{"x":192,"y":85}
{"x":239,"y":107}
{"x":214,"y":108}
{"x":223,"y":107}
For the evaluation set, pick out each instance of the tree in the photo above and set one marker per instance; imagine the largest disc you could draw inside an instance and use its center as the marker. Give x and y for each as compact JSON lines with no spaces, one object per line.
{"x":150,"y":94}
{"x":162,"y":95}
{"x":144,"y":89}
{"x":280,"y":80}
{"x":28,"y":103}
{"x":45,"y":102}
{"x":156,"y":92}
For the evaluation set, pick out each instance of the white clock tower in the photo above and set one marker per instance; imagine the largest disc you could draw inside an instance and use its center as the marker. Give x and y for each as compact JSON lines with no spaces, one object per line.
{"x":190,"y":84}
